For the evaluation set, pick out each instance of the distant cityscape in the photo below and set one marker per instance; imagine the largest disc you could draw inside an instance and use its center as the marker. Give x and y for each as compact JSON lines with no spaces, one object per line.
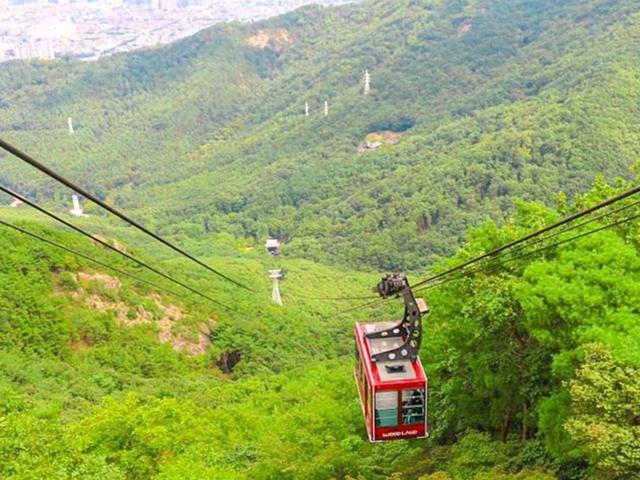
{"x":89,"y":30}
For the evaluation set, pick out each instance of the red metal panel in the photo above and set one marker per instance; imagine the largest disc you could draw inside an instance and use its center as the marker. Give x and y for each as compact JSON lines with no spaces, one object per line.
{"x":372,"y":368}
{"x":400,"y":432}
{"x":377,"y":434}
{"x":363,"y":392}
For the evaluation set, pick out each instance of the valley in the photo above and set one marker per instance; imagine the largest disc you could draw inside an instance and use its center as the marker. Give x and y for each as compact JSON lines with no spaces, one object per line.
{"x":481,"y":122}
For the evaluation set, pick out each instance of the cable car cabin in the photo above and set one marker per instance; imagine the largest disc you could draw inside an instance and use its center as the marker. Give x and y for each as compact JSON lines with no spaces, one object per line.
{"x":392,"y":393}
{"x":391,"y":382}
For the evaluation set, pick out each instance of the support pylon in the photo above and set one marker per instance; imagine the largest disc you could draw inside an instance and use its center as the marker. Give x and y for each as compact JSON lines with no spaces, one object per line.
{"x":276,"y":276}
{"x":76,"y":211}
{"x":367,"y":83}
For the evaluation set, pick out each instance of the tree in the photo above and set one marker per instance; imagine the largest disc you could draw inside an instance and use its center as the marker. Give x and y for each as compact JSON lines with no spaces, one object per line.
{"x":605,"y":415}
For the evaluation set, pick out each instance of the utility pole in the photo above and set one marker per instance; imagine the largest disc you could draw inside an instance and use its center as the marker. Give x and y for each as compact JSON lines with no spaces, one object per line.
{"x":306,"y":109}
{"x":70,"y":123}
{"x":326,"y":108}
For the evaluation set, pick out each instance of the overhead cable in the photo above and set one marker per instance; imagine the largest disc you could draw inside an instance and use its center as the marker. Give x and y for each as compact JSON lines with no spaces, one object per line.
{"x":87,"y":257}
{"x":498,"y":250}
{"x":469,"y":273}
{"x":107,"y":245}
{"x":51,"y":173}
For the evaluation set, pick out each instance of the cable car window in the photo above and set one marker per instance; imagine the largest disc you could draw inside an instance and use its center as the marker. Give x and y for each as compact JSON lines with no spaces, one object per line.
{"x":395,"y":368}
{"x":413,"y":406}
{"x":387,"y":409}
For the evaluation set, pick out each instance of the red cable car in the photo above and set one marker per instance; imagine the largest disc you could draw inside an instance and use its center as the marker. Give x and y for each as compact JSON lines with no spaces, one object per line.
{"x":391,"y":381}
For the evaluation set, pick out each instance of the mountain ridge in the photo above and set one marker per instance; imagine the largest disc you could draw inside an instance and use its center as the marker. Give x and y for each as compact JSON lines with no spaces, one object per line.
{"x":502,"y":114}
{"x":483,"y":99}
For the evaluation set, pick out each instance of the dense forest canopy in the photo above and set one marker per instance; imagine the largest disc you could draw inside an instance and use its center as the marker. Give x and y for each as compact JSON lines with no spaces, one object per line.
{"x":490,"y":101}
{"x":485,"y":120}
{"x":532,"y":368}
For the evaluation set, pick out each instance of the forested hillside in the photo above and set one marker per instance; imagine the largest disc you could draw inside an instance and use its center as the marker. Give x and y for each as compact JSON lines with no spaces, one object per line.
{"x":490,"y":100}
{"x":485,"y":120}
{"x":532,"y":368}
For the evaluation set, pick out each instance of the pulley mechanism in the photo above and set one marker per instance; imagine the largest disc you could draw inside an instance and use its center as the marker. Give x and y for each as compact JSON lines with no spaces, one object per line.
{"x":409,"y":329}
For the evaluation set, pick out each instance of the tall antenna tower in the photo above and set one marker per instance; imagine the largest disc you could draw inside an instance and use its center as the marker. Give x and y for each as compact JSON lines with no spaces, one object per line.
{"x":276,"y":275}
{"x":70,"y":124}
{"x":367,"y":83}
{"x":306,"y":109}
{"x":326,"y":108}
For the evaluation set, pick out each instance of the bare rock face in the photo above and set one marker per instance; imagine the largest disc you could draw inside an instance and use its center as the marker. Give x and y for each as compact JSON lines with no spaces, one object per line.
{"x":115,"y":243}
{"x":183,"y":338}
{"x":464,"y":29}
{"x":375,"y":140}
{"x":275,"y":38}
{"x":119,"y":246}
{"x":228,"y":360}
{"x":107,"y":280}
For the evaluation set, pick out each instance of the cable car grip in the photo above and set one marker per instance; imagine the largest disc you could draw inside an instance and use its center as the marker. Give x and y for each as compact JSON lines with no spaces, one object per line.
{"x":409,"y":328}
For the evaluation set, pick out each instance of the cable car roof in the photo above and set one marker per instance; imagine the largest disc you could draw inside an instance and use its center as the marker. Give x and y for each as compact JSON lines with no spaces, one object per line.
{"x":388,"y":371}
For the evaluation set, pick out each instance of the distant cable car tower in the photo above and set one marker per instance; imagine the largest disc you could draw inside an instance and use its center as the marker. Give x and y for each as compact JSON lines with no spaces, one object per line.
{"x":70,"y":125}
{"x":326,"y":108}
{"x":367,"y":83}
{"x":306,"y":109}
{"x":76,"y":211}
{"x":276,"y":275}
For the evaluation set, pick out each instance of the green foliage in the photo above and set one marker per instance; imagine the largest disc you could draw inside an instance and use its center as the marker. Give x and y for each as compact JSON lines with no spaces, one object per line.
{"x":516,"y":393}
{"x":495,"y":100}
{"x":507,"y":341}
{"x":498,"y":103}
{"x":604,"y":422}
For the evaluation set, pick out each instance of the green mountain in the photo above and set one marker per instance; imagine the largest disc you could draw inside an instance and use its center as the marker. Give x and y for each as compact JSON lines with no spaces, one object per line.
{"x":484,"y":120}
{"x":491,"y":101}
{"x":532,"y":367}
